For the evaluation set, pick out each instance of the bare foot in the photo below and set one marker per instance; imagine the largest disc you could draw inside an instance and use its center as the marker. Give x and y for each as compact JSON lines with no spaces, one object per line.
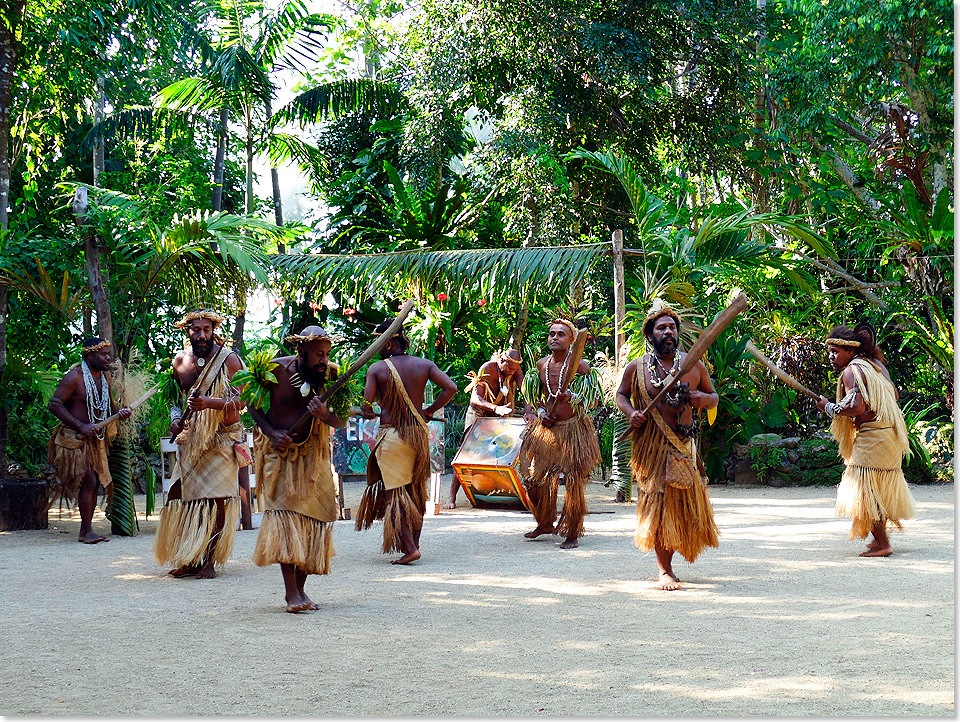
{"x":668,"y":582}
{"x":877,"y":551}
{"x":207,"y":572}
{"x":570,"y":543}
{"x":873,"y":545}
{"x":540,"y":530}
{"x":449,"y":505}
{"x":296,"y":607}
{"x":91,"y":537}
{"x":407,"y":558}
{"x":185,"y":571}
{"x":313,"y":606}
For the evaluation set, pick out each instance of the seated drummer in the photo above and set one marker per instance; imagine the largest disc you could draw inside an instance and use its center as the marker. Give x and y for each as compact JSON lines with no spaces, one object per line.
{"x":493,"y":392}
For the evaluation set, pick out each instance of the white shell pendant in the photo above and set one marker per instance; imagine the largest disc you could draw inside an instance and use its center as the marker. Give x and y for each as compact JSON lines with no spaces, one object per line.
{"x":305,"y":389}
{"x":201,"y":362}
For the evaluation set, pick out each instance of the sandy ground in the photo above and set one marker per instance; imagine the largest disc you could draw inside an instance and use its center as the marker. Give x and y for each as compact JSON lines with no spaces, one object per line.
{"x":782,"y":619}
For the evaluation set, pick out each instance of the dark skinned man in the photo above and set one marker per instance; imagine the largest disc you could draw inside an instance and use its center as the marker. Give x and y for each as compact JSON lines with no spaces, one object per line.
{"x":674,"y":512}
{"x":77,"y":449}
{"x":399,"y":463}
{"x":293,"y":468}
{"x":198,"y":524}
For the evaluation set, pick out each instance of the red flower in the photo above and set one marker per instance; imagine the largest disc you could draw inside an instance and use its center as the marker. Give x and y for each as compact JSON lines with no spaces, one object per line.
{"x":442,"y":296}
{"x":315,"y":306}
{"x":349,"y":311}
{"x":277,"y":301}
{"x":400,"y":306}
{"x":482,"y":302}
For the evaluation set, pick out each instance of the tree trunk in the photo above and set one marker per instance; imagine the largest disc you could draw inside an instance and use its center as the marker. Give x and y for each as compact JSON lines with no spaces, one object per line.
{"x":219,"y":164}
{"x":95,"y":280}
{"x":99,"y":107}
{"x":9,"y":26}
{"x":520,"y":328}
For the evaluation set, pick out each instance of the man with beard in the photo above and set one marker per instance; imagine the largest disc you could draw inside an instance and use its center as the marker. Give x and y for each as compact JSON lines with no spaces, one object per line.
{"x":293,"y":467}
{"x":869,"y":428}
{"x":198,"y":525}
{"x":493,"y":393}
{"x":674,"y":512}
{"x":562,"y":445}
{"x":77,"y":449}
{"x":399,"y":463}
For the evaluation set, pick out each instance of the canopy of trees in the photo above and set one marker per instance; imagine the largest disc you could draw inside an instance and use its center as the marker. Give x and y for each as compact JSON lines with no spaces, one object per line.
{"x":477,"y":155}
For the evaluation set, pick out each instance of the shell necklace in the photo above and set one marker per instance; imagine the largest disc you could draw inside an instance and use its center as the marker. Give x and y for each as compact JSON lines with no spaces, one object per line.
{"x":656,"y":379}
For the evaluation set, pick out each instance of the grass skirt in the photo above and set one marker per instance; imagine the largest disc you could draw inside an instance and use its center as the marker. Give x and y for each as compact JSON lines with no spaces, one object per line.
{"x":570,"y":448}
{"x":676,"y":519}
{"x":377,"y":504}
{"x":71,"y":455}
{"x":186,"y":529}
{"x":287,"y":537}
{"x":869,"y":495}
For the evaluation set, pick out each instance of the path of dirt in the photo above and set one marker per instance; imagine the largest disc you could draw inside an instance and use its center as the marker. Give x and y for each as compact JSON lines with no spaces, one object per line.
{"x":783,"y":619}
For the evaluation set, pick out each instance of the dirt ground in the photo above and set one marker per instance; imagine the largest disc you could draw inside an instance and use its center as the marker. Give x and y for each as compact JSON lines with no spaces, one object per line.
{"x":783,"y":619}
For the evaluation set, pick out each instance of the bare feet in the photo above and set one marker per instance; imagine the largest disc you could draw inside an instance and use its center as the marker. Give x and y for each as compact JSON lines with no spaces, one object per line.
{"x":91,"y":537}
{"x":296,"y":607}
{"x":668,"y":582}
{"x":407,"y":558}
{"x":877,"y":551}
{"x":569,"y":543}
{"x":184,"y":571}
{"x":540,"y":530}
{"x":207,"y":572}
{"x":449,"y":505}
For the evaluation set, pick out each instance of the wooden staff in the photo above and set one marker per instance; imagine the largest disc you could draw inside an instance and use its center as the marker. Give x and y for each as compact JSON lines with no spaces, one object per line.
{"x":695,"y":353}
{"x":779,"y":372}
{"x":371,"y":351}
{"x":138,"y":402}
{"x":187,"y":413}
{"x":573,"y":363}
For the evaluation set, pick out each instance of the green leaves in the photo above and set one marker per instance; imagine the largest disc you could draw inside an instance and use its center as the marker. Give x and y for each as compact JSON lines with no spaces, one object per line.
{"x":505,"y":270}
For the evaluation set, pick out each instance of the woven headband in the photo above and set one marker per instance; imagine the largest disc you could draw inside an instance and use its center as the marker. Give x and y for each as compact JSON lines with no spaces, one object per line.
{"x":98,"y":347}
{"x":298,"y":338}
{"x":206,"y":313}
{"x":842,"y":342}
{"x":568,"y":324}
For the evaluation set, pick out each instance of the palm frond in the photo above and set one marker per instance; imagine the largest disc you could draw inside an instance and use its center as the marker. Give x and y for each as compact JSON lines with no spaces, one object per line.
{"x":550,"y":267}
{"x":342,"y":96}
{"x":57,"y":296}
{"x":138,"y":121}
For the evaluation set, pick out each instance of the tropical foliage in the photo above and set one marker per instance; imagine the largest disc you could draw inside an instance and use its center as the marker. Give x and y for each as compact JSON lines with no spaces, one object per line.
{"x":477,"y":156}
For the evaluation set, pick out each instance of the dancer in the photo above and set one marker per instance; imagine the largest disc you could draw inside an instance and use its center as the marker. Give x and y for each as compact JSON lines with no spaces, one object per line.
{"x":198,"y":524}
{"x":562,"y":445}
{"x":293,"y":467}
{"x":77,"y":449}
{"x":868,"y":425}
{"x":674,"y":512}
{"x":399,"y":463}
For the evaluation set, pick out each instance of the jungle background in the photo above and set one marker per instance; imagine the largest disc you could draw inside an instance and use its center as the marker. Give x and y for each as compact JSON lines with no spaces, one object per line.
{"x":477,"y":156}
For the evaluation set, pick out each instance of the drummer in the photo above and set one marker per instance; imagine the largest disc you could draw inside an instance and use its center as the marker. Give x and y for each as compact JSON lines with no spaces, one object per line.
{"x":493,"y":392}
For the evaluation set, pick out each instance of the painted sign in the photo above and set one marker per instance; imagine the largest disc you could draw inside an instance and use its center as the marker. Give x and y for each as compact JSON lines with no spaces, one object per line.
{"x":351,"y":445}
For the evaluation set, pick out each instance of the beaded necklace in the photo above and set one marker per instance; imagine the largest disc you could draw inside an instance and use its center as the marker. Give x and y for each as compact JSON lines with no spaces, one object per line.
{"x":563,"y":369}
{"x":98,"y":403}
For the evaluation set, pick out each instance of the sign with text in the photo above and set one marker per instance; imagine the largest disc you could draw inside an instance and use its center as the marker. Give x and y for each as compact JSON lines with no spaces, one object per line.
{"x":351,"y":445}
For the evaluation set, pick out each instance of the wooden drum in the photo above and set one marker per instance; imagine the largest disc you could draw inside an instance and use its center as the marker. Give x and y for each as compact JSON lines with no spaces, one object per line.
{"x":486,"y":464}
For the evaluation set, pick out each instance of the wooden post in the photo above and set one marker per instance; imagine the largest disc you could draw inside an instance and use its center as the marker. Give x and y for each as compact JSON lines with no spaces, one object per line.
{"x":619,"y":296}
